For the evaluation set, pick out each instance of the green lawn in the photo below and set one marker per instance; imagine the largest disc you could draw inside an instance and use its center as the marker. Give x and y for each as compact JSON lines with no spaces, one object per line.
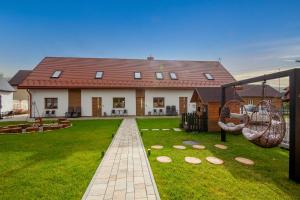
{"x":53,"y":165}
{"x":267,"y":179}
{"x":158,"y":123}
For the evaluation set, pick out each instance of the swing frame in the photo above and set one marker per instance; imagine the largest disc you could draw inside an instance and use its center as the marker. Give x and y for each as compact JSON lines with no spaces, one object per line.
{"x":294,"y":87}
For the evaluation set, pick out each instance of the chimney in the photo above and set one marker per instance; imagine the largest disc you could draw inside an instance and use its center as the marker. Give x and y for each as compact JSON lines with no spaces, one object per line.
{"x":150,"y":58}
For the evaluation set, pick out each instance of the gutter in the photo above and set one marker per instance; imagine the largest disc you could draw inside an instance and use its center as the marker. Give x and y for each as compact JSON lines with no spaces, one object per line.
{"x":30,"y":103}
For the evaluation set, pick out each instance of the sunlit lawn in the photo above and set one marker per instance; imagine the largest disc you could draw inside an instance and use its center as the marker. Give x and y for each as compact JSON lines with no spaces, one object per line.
{"x":53,"y":165}
{"x":267,"y":179}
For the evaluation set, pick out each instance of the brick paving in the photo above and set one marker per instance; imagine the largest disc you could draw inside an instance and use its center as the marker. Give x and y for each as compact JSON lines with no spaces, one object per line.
{"x":124,"y":172}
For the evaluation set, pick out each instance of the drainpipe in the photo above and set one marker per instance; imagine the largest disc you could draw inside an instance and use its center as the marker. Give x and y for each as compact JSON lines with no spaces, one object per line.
{"x":30,"y":103}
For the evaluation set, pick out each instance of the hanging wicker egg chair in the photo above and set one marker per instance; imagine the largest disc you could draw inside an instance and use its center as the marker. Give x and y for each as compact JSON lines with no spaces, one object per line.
{"x":266,"y":127}
{"x":233,"y":116}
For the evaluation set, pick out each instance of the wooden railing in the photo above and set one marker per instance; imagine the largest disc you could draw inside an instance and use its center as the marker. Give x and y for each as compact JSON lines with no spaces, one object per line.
{"x":194,"y":122}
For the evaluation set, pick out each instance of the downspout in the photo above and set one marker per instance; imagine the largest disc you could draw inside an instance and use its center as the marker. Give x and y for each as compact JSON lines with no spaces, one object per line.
{"x":30,"y":103}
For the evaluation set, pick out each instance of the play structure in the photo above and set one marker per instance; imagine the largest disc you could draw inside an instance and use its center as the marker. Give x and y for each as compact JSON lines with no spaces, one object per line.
{"x":265,"y":126}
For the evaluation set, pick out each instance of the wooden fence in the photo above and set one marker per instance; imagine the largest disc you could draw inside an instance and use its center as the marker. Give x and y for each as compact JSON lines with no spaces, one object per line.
{"x":193,"y":122}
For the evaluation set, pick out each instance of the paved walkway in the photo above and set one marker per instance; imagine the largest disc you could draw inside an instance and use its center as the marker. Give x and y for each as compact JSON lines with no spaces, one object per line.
{"x":124,"y":172}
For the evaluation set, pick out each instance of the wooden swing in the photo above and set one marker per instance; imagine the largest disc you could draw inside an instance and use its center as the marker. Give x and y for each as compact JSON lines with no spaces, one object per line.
{"x":266,"y":127}
{"x":233,"y":116}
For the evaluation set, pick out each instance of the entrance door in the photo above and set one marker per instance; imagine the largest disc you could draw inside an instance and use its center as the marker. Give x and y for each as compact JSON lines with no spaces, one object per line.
{"x":140,"y":106}
{"x":96,"y":106}
{"x":182,"y":105}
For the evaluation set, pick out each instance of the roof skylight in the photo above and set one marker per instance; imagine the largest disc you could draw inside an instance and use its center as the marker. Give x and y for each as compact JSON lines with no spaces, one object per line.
{"x":99,"y":75}
{"x":173,"y":76}
{"x":137,"y":75}
{"x":208,"y":76}
{"x":56,"y":74}
{"x":159,"y":75}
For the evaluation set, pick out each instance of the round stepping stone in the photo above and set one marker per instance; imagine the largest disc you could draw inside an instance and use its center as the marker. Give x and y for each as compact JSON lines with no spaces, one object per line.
{"x":192,"y":160}
{"x":164,"y":159}
{"x":190,"y":142}
{"x":179,"y":147}
{"x":214,"y":160}
{"x":198,"y":146}
{"x":221,"y":146}
{"x":157,"y":147}
{"x":244,"y":161}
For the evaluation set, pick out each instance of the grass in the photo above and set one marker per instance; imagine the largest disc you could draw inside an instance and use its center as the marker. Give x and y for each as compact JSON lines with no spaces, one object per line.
{"x":267,"y":179}
{"x":158,"y":123}
{"x":53,"y":165}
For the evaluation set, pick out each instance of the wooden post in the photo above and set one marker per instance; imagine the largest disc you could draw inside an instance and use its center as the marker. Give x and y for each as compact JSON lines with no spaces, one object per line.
{"x":294,"y":162}
{"x":223,"y":98}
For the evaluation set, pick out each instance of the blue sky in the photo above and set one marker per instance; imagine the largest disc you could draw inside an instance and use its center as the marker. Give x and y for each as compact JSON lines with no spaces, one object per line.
{"x":247,"y":35}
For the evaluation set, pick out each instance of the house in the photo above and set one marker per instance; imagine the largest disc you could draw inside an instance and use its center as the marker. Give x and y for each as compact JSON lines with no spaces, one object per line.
{"x":104,"y":86}
{"x":208,"y":103}
{"x":252,"y":95}
{"x":20,"y":96}
{"x":6,"y":96}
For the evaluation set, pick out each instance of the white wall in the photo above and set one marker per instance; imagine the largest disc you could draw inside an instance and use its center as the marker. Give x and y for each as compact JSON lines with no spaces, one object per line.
{"x":107,"y":100}
{"x":6,"y":101}
{"x":38,"y":96}
{"x":171,"y":98}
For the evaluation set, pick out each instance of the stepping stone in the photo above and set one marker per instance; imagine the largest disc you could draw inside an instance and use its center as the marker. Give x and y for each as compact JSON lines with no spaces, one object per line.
{"x":190,"y":142}
{"x":144,"y":129}
{"x":165,"y":129}
{"x":214,"y":160}
{"x":221,"y":146}
{"x":164,"y":159}
{"x":198,"y":146}
{"x":177,"y":129}
{"x":192,"y":160}
{"x":244,"y":161}
{"x":155,"y":129}
{"x":179,"y":147}
{"x":157,"y":147}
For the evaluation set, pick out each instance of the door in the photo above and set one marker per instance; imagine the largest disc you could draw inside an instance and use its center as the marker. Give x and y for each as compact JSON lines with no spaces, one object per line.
{"x":96,"y":106}
{"x":182,"y":105}
{"x":140,"y":106}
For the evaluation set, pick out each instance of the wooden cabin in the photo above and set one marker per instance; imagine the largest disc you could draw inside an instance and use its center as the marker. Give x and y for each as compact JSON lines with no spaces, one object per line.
{"x":208,"y":102}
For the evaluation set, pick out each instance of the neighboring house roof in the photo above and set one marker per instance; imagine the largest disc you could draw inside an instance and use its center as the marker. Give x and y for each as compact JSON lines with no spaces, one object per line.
{"x":5,"y":86}
{"x":213,"y":94}
{"x":119,"y":73}
{"x":19,"y":77}
{"x":256,"y":91}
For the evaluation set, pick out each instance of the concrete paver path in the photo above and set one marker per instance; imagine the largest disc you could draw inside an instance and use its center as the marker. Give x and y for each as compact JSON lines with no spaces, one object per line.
{"x":124,"y":172}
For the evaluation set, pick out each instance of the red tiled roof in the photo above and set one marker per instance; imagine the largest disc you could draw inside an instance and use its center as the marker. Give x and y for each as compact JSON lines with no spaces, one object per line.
{"x":19,"y":77}
{"x":256,"y":91}
{"x":119,"y":73}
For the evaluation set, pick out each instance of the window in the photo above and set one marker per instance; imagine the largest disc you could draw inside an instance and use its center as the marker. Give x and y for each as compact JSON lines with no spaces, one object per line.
{"x":50,"y":103}
{"x":137,"y":75}
{"x":99,"y":75}
{"x":209,"y":76}
{"x":173,"y":76}
{"x":159,"y":75}
{"x":119,"y":102}
{"x":56,"y":74}
{"x":158,"y":102}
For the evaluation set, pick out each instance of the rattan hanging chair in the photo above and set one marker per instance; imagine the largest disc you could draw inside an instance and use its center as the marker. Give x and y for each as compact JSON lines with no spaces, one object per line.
{"x":266,"y":127}
{"x":233,"y":116}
